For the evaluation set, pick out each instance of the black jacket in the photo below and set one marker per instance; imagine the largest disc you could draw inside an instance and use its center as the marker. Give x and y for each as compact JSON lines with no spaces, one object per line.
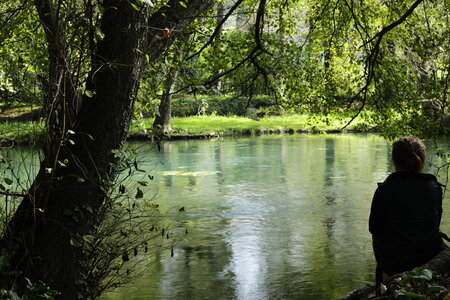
{"x":404,"y":221}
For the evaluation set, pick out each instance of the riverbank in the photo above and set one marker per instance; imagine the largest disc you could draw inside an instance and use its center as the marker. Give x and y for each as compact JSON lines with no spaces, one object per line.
{"x":19,"y":131}
{"x":218,"y":126}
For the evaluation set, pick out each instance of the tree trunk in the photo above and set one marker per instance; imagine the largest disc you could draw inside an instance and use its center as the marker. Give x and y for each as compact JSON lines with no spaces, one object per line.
{"x":162,"y":118}
{"x":217,"y":45}
{"x":161,"y":124}
{"x":79,"y":165}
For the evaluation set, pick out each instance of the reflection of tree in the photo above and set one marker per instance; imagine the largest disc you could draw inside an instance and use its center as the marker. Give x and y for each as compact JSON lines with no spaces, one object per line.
{"x":330,"y":195}
{"x":218,"y":159}
{"x":309,"y":232}
{"x":329,"y":161}
{"x":194,"y":271}
{"x":192,"y":181}
{"x":167,"y":150}
{"x":284,"y":155}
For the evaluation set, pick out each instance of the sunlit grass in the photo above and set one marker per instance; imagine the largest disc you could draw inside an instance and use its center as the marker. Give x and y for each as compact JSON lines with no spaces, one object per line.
{"x":213,"y":124}
{"x":21,"y":130}
{"x":240,"y":125}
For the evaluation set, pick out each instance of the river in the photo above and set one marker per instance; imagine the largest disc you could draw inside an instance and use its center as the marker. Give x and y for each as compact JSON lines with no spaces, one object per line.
{"x":274,"y":217}
{"x":271,"y":217}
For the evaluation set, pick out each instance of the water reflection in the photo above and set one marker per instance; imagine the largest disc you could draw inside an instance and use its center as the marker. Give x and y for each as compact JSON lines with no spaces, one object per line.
{"x":268,"y":217}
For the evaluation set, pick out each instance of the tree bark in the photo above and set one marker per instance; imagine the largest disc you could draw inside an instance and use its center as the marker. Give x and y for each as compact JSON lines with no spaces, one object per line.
{"x":79,"y":165}
{"x":162,"y":119}
{"x":161,"y":124}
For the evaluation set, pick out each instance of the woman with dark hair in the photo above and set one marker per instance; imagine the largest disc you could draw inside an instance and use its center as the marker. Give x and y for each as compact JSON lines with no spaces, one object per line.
{"x":406,"y":213}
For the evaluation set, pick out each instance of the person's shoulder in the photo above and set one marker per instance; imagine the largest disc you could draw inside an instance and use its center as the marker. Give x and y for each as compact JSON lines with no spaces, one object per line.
{"x":406,"y":177}
{"x":431,"y":178}
{"x":385,"y":187}
{"x":392,"y":178}
{"x":426,"y":176}
{"x":413,"y":178}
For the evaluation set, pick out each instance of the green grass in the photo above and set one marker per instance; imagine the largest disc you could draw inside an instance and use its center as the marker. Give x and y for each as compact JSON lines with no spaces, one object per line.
{"x":23,"y":131}
{"x":241,"y":125}
{"x":204,"y":125}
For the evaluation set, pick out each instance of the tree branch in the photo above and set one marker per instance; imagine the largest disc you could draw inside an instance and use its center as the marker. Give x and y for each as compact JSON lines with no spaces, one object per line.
{"x":259,"y":25}
{"x":13,"y":194}
{"x":373,"y":56}
{"x":386,"y":29}
{"x":217,"y":29}
{"x":12,"y":12}
{"x":255,"y":52}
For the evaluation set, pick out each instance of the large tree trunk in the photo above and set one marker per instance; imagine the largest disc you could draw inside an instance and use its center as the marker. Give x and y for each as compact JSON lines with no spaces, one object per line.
{"x":78,"y":168}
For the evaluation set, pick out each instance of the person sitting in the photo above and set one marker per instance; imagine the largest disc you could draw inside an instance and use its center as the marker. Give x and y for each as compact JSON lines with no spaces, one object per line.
{"x":406,"y":213}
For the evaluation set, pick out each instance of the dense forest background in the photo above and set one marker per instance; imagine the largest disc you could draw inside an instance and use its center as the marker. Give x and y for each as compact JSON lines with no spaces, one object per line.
{"x":252,"y":58}
{"x":91,"y":67}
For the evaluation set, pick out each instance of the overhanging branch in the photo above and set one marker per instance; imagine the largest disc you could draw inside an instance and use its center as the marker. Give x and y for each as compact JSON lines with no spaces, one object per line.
{"x":373,"y":57}
{"x":217,"y":29}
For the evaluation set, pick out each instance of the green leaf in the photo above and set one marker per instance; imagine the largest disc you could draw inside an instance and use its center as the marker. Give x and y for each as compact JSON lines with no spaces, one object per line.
{"x":88,"y":238}
{"x":139,"y":194}
{"x":413,"y":295}
{"x":150,"y":3}
{"x":427,"y":273}
{"x":89,"y":93}
{"x":135,"y":6}
{"x":99,"y":33}
{"x":183,"y":4}
{"x":89,"y":209}
{"x":436,"y":289}
{"x":75,"y":243}
{"x":424,"y":277}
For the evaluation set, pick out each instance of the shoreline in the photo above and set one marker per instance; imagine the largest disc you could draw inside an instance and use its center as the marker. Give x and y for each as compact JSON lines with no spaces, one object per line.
{"x":142,"y":136}
{"x":9,"y":143}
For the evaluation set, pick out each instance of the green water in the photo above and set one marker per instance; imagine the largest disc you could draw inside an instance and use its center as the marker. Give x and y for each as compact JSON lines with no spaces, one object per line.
{"x":275,"y":217}
{"x":282,"y":217}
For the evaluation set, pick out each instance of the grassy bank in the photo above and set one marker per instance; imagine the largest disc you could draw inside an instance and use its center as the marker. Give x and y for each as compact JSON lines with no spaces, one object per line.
{"x":228,"y":126}
{"x":21,"y":131}
{"x":207,"y":125}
